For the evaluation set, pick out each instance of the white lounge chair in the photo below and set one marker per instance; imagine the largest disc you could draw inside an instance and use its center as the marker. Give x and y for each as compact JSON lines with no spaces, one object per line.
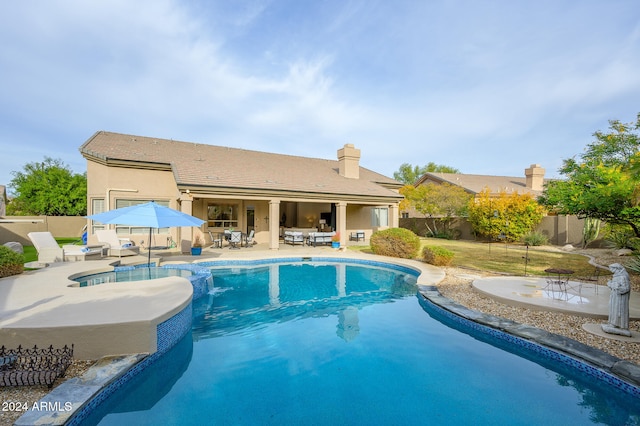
{"x":116,"y":246}
{"x":49,"y":251}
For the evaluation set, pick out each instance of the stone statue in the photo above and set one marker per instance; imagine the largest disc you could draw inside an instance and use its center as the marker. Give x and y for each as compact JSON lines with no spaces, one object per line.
{"x":620,"y":286}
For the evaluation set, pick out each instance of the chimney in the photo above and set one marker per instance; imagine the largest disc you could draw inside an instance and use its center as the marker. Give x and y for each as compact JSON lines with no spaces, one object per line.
{"x":535,"y":177}
{"x":349,"y":161}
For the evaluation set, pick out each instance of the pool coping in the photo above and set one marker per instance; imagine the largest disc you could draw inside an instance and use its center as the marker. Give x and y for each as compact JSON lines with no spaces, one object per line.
{"x":103,"y":377}
{"x":625,"y":371}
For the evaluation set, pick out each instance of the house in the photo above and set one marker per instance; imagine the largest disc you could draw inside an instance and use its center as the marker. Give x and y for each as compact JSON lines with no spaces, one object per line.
{"x":236,"y":188}
{"x":532,"y":183}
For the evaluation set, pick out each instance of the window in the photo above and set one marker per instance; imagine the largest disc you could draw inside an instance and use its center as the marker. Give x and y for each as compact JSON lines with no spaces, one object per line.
{"x":379,"y":216}
{"x":222,"y":215}
{"x":137,"y":230}
{"x":405,"y":215}
{"x":97,"y":206}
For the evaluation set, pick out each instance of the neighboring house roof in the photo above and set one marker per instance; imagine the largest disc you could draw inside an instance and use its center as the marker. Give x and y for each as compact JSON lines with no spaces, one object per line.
{"x":475,"y":184}
{"x":217,"y":169}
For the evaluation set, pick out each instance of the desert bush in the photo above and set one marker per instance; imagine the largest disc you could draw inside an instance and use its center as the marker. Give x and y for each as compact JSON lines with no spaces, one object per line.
{"x":634,"y":264}
{"x":634,"y":244}
{"x":618,"y":236}
{"x":395,"y":242}
{"x":438,"y":256}
{"x":11,"y":263}
{"x":535,"y":239}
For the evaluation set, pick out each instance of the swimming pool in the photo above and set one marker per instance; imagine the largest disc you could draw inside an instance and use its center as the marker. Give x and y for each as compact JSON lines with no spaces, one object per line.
{"x":338,"y":343}
{"x":125,"y":274}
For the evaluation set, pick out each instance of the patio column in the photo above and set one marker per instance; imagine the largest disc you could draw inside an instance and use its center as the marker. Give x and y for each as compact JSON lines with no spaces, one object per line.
{"x":274,"y":224}
{"x":394,"y":219}
{"x":186,"y":206}
{"x":341,"y":222}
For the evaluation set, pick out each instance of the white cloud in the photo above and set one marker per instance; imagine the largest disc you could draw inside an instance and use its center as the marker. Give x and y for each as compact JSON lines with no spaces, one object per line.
{"x":451,"y":82}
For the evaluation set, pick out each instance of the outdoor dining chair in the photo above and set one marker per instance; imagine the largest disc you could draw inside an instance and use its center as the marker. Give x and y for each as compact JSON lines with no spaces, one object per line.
{"x":235,"y":240}
{"x":249,"y":240}
{"x":216,"y":240}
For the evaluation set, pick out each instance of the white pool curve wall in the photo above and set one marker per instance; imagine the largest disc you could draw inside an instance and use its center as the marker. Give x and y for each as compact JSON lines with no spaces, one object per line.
{"x":45,"y":308}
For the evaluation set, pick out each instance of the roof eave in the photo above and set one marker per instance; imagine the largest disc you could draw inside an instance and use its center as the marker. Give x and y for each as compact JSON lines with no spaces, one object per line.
{"x":236,"y":192}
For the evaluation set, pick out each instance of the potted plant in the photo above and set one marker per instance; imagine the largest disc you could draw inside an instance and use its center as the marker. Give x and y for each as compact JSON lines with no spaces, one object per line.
{"x":335,"y":240}
{"x":196,"y":247}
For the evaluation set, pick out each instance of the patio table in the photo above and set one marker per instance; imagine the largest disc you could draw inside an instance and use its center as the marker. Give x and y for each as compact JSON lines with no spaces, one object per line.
{"x":558,"y":277}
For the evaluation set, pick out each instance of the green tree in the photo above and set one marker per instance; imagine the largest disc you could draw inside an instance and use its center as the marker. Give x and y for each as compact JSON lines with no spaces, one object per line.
{"x":439,"y":203}
{"x":604,"y":183}
{"x":510,"y":216}
{"x":409,"y":174}
{"x":48,"y":188}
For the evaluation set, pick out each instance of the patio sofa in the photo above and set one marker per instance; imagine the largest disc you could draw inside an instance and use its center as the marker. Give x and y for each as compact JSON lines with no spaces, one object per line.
{"x":305,"y":231}
{"x":316,"y":238}
{"x":293,"y":237}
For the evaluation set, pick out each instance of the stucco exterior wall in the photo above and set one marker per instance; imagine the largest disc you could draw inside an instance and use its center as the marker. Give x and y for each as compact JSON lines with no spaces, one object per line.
{"x":358,"y":217}
{"x":111,"y":183}
{"x":114,"y":183}
{"x":59,"y":226}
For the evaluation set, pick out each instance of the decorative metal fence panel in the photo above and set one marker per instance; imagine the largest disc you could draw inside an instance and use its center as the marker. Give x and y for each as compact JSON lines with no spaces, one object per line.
{"x":28,"y":367}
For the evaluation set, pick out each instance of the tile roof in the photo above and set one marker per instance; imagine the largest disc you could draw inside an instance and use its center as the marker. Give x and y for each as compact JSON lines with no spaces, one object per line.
{"x":210,"y":166}
{"x":476,"y":183}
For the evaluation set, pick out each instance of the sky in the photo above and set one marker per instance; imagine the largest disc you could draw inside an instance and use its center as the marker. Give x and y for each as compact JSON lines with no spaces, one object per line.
{"x":487,"y":87}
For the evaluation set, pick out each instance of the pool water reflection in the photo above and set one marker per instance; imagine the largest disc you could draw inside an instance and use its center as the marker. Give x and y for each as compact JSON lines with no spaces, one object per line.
{"x":350,"y":344}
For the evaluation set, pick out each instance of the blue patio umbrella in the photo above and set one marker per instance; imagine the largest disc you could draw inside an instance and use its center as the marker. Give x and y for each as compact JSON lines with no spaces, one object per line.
{"x":151,"y":215}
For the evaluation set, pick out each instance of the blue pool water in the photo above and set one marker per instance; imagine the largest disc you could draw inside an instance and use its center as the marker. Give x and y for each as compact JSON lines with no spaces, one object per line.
{"x":131,"y":274}
{"x":343,"y":344}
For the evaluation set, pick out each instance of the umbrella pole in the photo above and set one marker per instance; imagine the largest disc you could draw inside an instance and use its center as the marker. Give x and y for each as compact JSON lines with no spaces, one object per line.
{"x":149,"y":248}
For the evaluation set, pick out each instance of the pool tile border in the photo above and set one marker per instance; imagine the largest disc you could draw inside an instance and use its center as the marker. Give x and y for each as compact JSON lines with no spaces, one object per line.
{"x":623,"y":375}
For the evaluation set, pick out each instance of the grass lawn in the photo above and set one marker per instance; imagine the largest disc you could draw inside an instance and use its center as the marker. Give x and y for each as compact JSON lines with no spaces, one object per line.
{"x":506,"y":258}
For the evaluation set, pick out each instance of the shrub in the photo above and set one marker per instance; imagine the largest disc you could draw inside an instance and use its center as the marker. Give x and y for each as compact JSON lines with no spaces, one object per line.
{"x":11,"y":263}
{"x":395,"y":242}
{"x":438,"y":256}
{"x":510,"y":216}
{"x":535,"y":239}
{"x":634,"y":244}
{"x":618,"y":236}
{"x":634,"y":264}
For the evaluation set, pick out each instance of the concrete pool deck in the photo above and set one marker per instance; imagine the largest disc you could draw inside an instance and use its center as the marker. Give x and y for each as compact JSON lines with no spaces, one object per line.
{"x":588,"y":300}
